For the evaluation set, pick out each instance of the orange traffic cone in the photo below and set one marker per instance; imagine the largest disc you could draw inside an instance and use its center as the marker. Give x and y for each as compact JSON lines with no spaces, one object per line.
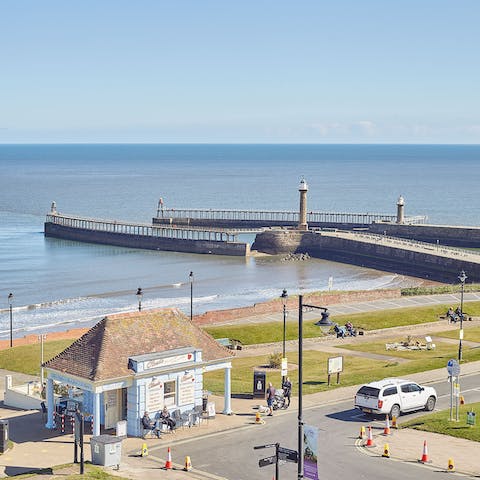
{"x":168,"y":463}
{"x":424,"y":458}
{"x":362,"y":433}
{"x":386,"y":430}
{"x":370,"y":438}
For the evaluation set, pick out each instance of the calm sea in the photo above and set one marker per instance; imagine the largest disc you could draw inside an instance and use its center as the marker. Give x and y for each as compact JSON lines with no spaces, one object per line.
{"x":59,"y":284}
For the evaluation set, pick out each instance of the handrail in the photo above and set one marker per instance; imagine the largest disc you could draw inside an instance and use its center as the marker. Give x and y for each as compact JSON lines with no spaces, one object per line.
{"x":143,"y":229}
{"x":280,"y":215}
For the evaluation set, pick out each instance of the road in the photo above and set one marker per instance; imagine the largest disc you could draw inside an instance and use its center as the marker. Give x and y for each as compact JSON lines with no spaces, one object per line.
{"x":231,"y":455}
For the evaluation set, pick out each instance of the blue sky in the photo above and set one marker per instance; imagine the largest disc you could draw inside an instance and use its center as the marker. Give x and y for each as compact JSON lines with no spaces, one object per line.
{"x":343,"y":71}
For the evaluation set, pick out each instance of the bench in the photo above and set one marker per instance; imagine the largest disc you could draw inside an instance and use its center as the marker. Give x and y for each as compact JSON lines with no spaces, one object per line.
{"x":230,"y":343}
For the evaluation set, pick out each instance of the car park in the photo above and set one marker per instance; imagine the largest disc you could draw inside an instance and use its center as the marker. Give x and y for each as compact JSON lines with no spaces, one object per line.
{"x":394,"y":396}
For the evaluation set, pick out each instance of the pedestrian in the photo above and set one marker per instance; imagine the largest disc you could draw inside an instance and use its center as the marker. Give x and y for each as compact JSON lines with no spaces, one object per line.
{"x":287,"y":390}
{"x":270,"y":397}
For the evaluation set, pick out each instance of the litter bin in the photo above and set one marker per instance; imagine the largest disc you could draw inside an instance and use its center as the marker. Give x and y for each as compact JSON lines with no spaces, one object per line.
{"x":106,"y":450}
{"x":259,"y":381}
{"x":3,"y":436}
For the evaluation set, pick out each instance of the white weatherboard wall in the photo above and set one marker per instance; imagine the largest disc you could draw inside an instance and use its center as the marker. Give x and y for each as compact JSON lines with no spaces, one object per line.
{"x":22,"y":396}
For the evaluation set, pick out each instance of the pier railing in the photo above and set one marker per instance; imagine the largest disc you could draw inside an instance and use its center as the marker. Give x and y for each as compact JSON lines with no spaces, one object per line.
{"x":439,"y":250}
{"x":283,"y":216}
{"x":165,"y":231}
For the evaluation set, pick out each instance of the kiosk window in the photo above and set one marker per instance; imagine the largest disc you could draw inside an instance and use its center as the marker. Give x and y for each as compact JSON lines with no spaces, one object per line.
{"x":169,"y":396}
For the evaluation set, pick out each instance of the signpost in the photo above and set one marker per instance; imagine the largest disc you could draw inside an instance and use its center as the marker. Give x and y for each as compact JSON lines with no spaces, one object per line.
{"x":453,"y":369}
{"x":334,"y":365}
{"x":281,"y":454}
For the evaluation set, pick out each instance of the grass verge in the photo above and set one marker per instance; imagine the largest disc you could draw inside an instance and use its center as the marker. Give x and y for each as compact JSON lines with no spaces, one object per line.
{"x":439,"y":422}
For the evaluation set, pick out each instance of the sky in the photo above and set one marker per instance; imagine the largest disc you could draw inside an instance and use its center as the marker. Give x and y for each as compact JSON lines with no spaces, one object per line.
{"x":202,"y":71}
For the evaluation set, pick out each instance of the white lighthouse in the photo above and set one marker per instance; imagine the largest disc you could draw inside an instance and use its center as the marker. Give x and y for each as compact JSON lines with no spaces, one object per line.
{"x":302,"y":219}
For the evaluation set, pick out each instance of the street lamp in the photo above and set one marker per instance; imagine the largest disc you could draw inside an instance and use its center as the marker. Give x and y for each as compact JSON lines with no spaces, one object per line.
{"x":42,"y":337}
{"x":10,"y":304}
{"x":462,"y":277}
{"x":139,"y":296}
{"x":284,"y":297}
{"x":191,"y":295}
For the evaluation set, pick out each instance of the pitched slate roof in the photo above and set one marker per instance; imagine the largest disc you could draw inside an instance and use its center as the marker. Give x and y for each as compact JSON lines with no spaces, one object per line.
{"x":102,"y":353}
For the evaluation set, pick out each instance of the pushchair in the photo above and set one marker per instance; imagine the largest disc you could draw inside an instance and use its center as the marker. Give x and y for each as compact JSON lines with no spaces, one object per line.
{"x":279,"y":399}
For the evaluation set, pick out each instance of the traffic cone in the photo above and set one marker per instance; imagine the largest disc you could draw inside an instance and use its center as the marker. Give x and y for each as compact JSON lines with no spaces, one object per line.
{"x":168,"y":463}
{"x":144,"y":450}
{"x":386,"y":451}
{"x":394,"y":422}
{"x":451,"y":466}
{"x":258,"y":419}
{"x":370,"y":438}
{"x":362,"y":433}
{"x":462,"y":400}
{"x":188,"y":464}
{"x":386,"y":430}
{"x":424,"y":458}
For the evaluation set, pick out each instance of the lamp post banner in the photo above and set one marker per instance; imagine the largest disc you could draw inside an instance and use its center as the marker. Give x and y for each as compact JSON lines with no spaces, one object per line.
{"x":310,"y":448}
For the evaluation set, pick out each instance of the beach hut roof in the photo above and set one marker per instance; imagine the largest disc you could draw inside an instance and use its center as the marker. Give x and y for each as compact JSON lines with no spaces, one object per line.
{"x":102,"y":353}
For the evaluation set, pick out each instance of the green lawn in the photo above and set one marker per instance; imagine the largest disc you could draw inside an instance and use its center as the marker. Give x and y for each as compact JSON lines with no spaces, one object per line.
{"x":273,"y":331}
{"x":26,"y":358}
{"x":439,"y":422}
{"x":472,"y":334}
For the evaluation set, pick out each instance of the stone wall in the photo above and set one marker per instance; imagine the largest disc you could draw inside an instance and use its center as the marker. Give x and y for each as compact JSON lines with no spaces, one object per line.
{"x":467,"y":237}
{"x":146,"y":242}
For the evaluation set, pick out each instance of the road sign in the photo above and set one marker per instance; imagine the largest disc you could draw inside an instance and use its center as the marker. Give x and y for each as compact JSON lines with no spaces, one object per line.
{"x":287,"y":455}
{"x":263,"y":462}
{"x":453,"y":367}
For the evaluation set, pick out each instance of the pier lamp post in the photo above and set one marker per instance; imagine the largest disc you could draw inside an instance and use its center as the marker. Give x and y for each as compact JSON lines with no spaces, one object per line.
{"x":191,"y":295}
{"x":139,"y":296}
{"x":284,"y":297}
{"x":10,"y":306}
{"x":462,"y":277}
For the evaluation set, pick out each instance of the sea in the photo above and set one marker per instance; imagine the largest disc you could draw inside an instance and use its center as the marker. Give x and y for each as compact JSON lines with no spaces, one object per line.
{"x":58,"y":284}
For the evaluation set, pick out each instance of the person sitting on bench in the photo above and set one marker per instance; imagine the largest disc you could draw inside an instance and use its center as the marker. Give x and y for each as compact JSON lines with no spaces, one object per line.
{"x":166,"y":419}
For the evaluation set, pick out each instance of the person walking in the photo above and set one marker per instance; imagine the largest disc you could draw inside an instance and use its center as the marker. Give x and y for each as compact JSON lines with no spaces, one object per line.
{"x":287,"y":390}
{"x":270,"y":397}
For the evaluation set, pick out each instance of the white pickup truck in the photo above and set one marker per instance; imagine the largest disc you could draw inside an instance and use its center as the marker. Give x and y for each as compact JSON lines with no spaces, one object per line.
{"x":393,"y":396}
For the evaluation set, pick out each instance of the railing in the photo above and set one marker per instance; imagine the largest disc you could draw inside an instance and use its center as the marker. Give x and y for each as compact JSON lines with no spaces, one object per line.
{"x":283,"y":216}
{"x":163,"y":231}
{"x":439,"y":250}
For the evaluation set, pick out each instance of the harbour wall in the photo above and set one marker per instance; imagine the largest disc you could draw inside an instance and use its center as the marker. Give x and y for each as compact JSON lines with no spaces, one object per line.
{"x":249,"y":224}
{"x":458,"y":236}
{"x":147,"y":242}
{"x":371,"y":255}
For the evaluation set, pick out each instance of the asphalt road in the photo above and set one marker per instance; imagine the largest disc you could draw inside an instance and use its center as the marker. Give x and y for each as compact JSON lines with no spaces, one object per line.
{"x":231,"y":454}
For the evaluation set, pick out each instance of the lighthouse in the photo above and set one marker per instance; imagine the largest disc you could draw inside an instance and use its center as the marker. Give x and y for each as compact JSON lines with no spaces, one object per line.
{"x":400,"y":210}
{"x":302,"y":219}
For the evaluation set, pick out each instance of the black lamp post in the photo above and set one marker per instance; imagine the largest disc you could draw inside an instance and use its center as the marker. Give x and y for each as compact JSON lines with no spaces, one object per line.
{"x":191,"y":296}
{"x":284,"y":297}
{"x":139,"y":296}
{"x":462,"y":277}
{"x":10,"y":304}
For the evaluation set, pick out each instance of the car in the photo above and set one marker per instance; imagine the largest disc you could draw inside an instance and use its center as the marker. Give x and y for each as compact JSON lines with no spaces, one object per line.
{"x":394,"y":396}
